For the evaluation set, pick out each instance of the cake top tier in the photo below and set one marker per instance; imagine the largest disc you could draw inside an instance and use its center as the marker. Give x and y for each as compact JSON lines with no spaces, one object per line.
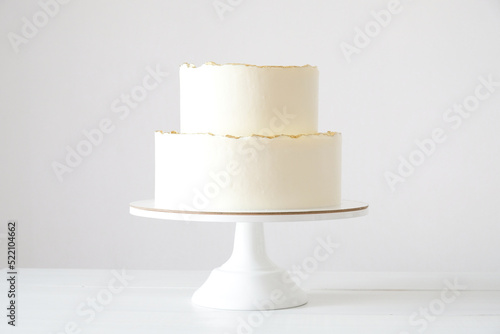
{"x":242,"y":99}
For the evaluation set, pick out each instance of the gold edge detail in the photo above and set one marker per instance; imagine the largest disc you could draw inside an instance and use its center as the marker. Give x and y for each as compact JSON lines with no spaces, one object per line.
{"x":271,"y":213}
{"x":211,"y":63}
{"x":328,"y":133}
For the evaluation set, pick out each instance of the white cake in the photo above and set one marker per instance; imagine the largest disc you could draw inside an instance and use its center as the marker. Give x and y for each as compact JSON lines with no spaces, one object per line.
{"x":248,"y":143}
{"x":242,"y":100}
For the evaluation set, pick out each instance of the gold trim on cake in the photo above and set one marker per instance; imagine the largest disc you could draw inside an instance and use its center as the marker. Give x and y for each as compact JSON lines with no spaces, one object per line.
{"x":328,"y":133}
{"x":211,"y":63}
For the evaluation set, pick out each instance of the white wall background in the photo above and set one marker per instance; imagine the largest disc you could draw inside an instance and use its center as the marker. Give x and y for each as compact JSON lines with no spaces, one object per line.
{"x":65,"y":77}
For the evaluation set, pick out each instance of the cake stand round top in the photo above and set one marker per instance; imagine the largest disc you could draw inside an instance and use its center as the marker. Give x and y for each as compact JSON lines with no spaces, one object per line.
{"x":346,"y":209}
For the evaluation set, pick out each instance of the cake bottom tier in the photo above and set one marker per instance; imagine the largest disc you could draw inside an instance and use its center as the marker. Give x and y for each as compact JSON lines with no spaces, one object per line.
{"x":212,"y":173}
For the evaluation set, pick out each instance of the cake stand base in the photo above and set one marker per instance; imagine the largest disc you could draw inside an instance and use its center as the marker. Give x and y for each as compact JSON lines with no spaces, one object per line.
{"x":249,"y":280}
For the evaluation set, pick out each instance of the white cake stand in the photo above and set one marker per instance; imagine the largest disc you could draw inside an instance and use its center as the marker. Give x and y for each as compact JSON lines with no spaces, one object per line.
{"x":249,"y":280}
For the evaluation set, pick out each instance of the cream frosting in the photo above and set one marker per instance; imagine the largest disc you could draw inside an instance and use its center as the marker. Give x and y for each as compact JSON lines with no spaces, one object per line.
{"x":248,"y":143}
{"x":211,"y":63}
{"x":241,"y":100}
{"x":328,"y":133}
{"x":201,"y":172}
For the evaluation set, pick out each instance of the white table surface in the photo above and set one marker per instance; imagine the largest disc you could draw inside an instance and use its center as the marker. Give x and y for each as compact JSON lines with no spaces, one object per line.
{"x":159,"y":302}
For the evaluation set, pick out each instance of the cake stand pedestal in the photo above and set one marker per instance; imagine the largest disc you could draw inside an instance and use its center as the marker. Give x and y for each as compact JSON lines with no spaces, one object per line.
{"x":249,"y":280}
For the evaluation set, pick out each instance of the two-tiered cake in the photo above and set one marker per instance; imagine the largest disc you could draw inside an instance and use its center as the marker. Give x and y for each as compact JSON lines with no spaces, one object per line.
{"x":248,"y":142}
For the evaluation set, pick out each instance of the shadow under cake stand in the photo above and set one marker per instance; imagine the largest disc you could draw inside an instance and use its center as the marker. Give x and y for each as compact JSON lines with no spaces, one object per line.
{"x":249,"y":280}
